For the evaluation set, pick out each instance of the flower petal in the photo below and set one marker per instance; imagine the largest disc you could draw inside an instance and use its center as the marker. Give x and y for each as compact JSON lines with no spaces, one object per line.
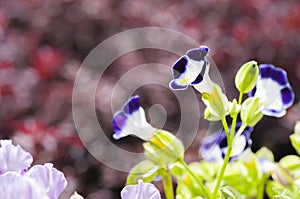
{"x":13,"y":185}
{"x":274,"y":90}
{"x":50,"y":179}
{"x":191,"y":69}
{"x":132,"y":121}
{"x":214,"y":147}
{"x":140,"y":191}
{"x":13,"y":158}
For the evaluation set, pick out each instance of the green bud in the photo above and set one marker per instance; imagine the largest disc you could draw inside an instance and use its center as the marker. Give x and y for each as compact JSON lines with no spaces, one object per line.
{"x":216,"y":103}
{"x":265,"y":153}
{"x":251,"y":111}
{"x":246,"y":77}
{"x":295,"y":140}
{"x":229,"y":193}
{"x":291,"y":162}
{"x":163,"y":148}
{"x":233,"y":108}
{"x":145,"y":170}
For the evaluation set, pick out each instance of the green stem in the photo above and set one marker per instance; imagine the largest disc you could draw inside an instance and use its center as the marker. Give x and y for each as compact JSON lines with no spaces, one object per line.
{"x":230,"y":142}
{"x":191,"y":173}
{"x":168,"y":185}
{"x":225,"y":162}
{"x":261,"y":188}
{"x":240,"y":98}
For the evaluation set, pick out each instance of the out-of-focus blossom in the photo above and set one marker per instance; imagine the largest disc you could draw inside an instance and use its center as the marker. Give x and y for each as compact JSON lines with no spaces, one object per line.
{"x":48,"y":61}
{"x":48,"y":178}
{"x":131,"y":120}
{"x":40,"y":181}
{"x":140,"y":191}
{"x":13,"y":158}
{"x":214,"y":147}
{"x":15,"y":185}
{"x":192,"y":69}
{"x":273,"y":90}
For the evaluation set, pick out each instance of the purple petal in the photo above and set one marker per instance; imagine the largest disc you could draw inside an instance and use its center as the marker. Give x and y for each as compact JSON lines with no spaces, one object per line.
{"x":119,"y":121}
{"x":173,"y":85}
{"x":287,"y":96}
{"x":279,"y":76}
{"x":13,"y":158}
{"x":132,"y":105}
{"x":13,"y":185}
{"x":50,"y":179}
{"x":140,"y":191}
{"x":179,"y":67}
{"x":198,"y":54}
{"x":265,"y":70}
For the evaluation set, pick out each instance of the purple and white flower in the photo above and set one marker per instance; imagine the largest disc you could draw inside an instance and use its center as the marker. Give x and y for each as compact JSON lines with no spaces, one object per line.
{"x":274,"y":90}
{"x":192,"y":69}
{"x":140,"y":191}
{"x":214,"y":146}
{"x":131,"y":120}
{"x":16,"y":181}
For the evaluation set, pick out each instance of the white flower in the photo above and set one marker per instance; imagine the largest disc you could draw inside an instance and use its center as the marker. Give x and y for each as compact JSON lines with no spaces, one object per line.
{"x":273,"y":90}
{"x":131,"y":120}
{"x":192,"y":69}
{"x":140,"y":191}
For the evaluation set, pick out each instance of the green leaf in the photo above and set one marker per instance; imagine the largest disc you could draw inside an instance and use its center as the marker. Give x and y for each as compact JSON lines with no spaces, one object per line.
{"x":229,"y":193}
{"x":246,"y":77}
{"x":145,"y":170}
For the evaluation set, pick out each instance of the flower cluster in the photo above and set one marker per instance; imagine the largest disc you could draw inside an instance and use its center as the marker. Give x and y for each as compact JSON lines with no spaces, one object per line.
{"x":226,"y":153}
{"x":37,"y":182}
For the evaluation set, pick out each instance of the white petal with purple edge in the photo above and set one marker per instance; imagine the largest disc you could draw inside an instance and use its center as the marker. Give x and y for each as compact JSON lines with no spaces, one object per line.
{"x":140,"y":191}
{"x":214,"y":146}
{"x":13,"y":158}
{"x":50,"y":179}
{"x":274,"y":90}
{"x":131,"y":120}
{"x":192,"y":69}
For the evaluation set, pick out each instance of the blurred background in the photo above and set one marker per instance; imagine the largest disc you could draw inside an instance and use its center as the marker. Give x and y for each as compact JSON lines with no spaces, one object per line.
{"x":43,"y":43}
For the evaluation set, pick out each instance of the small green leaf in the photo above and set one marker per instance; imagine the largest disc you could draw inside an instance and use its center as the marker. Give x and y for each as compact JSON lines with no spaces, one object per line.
{"x":145,"y":170}
{"x":246,"y":77}
{"x":229,"y":193}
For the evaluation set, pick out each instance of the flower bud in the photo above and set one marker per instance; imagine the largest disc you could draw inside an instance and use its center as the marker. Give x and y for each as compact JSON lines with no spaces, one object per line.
{"x":246,"y":77}
{"x":251,"y":111}
{"x":163,"y":148}
{"x":216,"y":103}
